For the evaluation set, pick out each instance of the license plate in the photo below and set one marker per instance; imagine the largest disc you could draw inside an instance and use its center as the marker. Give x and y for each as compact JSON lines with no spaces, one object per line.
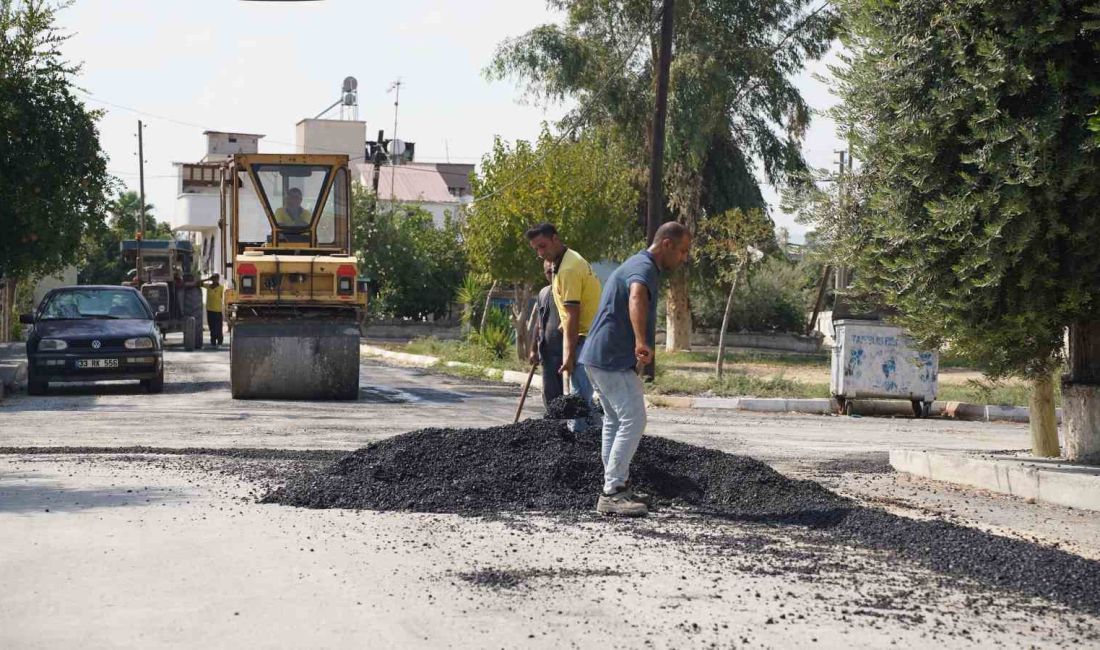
{"x":97,"y":363}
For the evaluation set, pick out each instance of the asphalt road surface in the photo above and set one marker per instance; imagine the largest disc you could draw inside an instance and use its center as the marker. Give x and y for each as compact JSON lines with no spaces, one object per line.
{"x":127,"y":549}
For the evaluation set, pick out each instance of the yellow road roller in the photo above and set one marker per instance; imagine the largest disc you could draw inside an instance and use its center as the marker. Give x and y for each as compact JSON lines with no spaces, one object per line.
{"x":293,"y":305}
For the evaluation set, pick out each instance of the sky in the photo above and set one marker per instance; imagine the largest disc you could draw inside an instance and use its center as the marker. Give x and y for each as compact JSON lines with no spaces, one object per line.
{"x":260,"y":67}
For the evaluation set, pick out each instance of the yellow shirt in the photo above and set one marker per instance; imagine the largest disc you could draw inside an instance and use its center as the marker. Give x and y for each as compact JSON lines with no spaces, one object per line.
{"x":575,"y":283}
{"x":285,"y":220}
{"x":214,"y":298}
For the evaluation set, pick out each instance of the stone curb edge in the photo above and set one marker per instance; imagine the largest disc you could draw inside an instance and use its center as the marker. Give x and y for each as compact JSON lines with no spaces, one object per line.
{"x":810,"y":406}
{"x":13,"y":374}
{"x":1042,"y":480}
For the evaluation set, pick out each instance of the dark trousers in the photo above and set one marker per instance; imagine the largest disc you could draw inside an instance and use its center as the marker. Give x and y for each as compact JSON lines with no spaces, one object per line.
{"x":551,"y":378}
{"x":214,"y":322}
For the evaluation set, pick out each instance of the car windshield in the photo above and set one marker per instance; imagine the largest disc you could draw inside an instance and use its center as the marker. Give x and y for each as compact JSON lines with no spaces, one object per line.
{"x":93,"y":303}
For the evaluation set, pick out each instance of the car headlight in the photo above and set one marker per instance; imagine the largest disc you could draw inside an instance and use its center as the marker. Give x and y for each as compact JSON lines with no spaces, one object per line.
{"x":140,"y":343}
{"x":52,"y":345}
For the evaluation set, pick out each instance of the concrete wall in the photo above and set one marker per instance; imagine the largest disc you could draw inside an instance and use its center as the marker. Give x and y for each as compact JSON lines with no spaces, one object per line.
{"x":765,"y":341}
{"x":332,"y":136}
{"x":408,"y":330}
{"x":220,"y":144}
{"x":67,"y":277}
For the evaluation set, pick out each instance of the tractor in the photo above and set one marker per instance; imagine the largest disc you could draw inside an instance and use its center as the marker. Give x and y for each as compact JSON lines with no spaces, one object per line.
{"x":165,"y":281}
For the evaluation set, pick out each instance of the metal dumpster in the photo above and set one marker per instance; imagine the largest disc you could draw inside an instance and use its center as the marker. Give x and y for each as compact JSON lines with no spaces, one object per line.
{"x":875,"y":360}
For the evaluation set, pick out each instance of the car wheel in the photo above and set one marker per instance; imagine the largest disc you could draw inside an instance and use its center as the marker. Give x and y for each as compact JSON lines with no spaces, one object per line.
{"x":154,"y":385}
{"x":35,"y":386}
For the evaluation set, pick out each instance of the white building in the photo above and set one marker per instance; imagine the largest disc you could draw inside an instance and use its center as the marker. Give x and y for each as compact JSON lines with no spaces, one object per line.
{"x":198,"y":192}
{"x":332,"y":136}
{"x":416,"y":184}
{"x":443,"y":189}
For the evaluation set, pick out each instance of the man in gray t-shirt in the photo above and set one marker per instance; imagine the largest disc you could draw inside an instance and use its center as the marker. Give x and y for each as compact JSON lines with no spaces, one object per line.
{"x":546,"y":341}
{"x":620,"y":339}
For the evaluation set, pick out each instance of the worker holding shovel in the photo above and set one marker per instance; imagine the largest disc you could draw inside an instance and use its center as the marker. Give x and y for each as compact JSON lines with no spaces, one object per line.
{"x":621,"y":340}
{"x":576,"y":292}
{"x":546,"y":344}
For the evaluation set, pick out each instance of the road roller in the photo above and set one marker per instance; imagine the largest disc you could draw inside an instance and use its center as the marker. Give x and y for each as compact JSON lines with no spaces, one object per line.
{"x":294,"y":306}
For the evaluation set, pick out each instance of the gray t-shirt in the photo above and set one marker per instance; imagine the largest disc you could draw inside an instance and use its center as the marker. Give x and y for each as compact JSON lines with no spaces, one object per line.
{"x":549,"y":322}
{"x":610,"y":342}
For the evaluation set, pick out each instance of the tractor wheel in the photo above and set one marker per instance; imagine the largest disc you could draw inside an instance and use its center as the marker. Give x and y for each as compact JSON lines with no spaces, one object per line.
{"x":189,"y":333}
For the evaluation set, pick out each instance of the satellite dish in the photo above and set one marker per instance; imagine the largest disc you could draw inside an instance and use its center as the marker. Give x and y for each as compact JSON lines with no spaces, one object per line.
{"x":350,"y":84}
{"x":349,"y":99}
{"x":398,"y":148}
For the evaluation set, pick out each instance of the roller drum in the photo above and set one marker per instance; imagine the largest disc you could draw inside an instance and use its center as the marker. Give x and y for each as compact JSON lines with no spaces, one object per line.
{"x":295,"y":359}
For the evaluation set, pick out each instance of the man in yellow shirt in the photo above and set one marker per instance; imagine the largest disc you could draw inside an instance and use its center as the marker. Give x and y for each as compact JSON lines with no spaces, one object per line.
{"x":576,"y":291}
{"x":214,"y":292}
{"x":292,"y":214}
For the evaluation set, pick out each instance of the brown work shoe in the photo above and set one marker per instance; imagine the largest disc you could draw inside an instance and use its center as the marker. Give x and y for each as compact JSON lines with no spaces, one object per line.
{"x":621,"y":503}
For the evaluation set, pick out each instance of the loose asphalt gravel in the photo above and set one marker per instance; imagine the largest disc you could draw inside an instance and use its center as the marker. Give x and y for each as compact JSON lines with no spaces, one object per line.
{"x":567,"y":407}
{"x":539,"y":466}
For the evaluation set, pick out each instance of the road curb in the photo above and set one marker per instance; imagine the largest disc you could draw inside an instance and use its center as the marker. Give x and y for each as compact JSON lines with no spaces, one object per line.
{"x":426,"y":361}
{"x":1048,"y":481}
{"x":807,"y":406}
{"x":13,"y":374}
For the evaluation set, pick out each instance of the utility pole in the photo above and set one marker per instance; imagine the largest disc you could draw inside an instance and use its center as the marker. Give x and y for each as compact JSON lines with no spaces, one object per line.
{"x":377,"y":157}
{"x":141,"y":203}
{"x":655,"y":201}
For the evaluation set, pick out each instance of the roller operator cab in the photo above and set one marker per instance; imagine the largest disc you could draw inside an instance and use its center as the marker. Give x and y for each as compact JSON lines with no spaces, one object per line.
{"x":294,"y":305}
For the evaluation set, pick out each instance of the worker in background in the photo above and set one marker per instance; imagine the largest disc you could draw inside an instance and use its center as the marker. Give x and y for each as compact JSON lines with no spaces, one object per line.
{"x":191,"y":303}
{"x":576,"y":292}
{"x":292,"y":214}
{"x":546,"y":341}
{"x":214,"y":292}
{"x":620,"y":344}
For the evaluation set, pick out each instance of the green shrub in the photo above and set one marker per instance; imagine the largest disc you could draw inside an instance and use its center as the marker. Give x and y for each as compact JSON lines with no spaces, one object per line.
{"x":775,"y":299}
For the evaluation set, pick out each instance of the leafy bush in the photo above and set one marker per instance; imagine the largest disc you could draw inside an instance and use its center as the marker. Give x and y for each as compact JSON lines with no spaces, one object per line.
{"x":775,"y":299}
{"x":413,"y":268}
{"x":471,"y":295}
{"x":497,"y":336}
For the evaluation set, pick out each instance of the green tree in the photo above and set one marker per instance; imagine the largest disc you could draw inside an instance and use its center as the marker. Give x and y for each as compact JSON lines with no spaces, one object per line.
{"x":53,"y":175}
{"x":414,"y":268}
{"x":977,"y":216}
{"x":102,"y":261}
{"x":734,"y":242}
{"x":732,"y":103}
{"x":583,"y":187}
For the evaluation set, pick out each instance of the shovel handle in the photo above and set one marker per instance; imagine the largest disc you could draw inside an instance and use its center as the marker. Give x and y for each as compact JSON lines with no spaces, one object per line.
{"x":566,"y":384}
{"x":523,"y":396}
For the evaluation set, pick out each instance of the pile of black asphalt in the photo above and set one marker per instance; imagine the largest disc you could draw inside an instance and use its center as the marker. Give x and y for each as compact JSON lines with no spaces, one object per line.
{"x":539,"y":466}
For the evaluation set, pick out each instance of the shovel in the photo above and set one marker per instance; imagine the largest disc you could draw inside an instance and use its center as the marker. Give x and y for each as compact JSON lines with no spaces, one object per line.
{"x":523,"y":396}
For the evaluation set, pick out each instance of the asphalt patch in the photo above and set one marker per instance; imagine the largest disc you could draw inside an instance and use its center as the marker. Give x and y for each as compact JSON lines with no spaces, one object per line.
{"x":539,"y":466}
{"x":498,"y":579}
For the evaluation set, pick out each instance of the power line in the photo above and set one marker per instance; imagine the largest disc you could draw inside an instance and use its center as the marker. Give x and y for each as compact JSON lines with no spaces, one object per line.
{"x":194,"y":125}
